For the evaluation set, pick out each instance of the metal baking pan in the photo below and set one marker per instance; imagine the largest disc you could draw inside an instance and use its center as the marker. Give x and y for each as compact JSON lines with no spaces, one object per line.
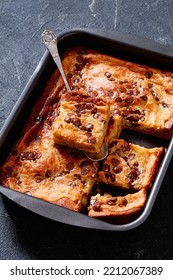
{"x":125,"y":46}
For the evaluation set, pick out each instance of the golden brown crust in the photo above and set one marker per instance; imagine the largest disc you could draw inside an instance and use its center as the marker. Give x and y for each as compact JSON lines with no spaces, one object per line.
{"x":130,"y":166}
{"x":107,"y":206}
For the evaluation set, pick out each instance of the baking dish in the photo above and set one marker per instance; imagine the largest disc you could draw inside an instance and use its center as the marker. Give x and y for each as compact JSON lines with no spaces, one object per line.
{"x":117,"y":44}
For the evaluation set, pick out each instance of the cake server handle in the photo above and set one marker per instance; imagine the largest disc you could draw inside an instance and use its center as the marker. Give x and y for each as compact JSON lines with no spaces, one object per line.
{"x":50,"y":41}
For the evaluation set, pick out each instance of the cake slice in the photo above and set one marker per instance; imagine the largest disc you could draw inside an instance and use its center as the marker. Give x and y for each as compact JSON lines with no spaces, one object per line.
{"x":143,"y":94}
{"x":130,"y":166}
{"x":117,"y":208}
{"x":82,"y":122}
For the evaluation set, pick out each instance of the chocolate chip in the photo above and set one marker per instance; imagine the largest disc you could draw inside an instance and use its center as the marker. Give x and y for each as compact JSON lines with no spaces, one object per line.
{"x":129,"y":99}
{"x":149,"y":74}
{"x":144,"y":97}
{"x":48,"y":174}
{"x":137,"y":112}
{"x":123,"y":89}
{"x":131,"y":92}
{"x":165,"y":105}
{"x":107,"y":74}
{"x":134,"y":173}
{"x":80,"y":107}
{"x":30,"y":155}
{"x":115,"y":161}
{"x":125,"y":158}
{"x":70,"y":75}
{"x":112,"y":201}
{"x":106,"y":167}
{"x":79,"y":67}
{"x":38,"y":179}
{"x":118,"y":152}
{"x":117,"y":169}
{"x":94,"y":111}
{"x":136,"y":92}
{"x":96,"y":116}
{"x":126,"y":147}
{"x":118,"y":99}
{"x":167,"y":90}
{"x":155,"y":95}
{"x":123,"y":202}
{"x":78,"y":114}
{"x":136,"y":164}
{"x":70,"y":166}
{"x":79,"y":58}
{"x":89,"y":106}
{"x":96,"y":206}
{"x":125,"y":112}
{"x":88,"y":134}
{"x":68,"y":119}
{"x":133,"y":118}
{"x":89,"y":127}
{"x":110,"y":93}
{"x":150,"y":85}
{"x":76,"y":121}
{"x":34,"y":155}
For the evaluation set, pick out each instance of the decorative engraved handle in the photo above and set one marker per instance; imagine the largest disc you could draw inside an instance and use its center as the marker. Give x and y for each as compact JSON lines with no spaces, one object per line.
{"x":50,"y":41}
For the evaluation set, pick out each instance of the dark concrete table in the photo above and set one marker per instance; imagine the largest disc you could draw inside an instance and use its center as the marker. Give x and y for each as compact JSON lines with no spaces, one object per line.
{"x":24,"y":235}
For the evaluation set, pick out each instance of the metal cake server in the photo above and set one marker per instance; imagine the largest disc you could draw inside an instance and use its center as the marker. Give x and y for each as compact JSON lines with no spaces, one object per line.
{"x":101,"y":155}
{"x":50,"y":41}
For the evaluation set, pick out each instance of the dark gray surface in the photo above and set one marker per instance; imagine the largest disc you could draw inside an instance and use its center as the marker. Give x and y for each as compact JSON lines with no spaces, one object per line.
{"x":24,"y":235}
